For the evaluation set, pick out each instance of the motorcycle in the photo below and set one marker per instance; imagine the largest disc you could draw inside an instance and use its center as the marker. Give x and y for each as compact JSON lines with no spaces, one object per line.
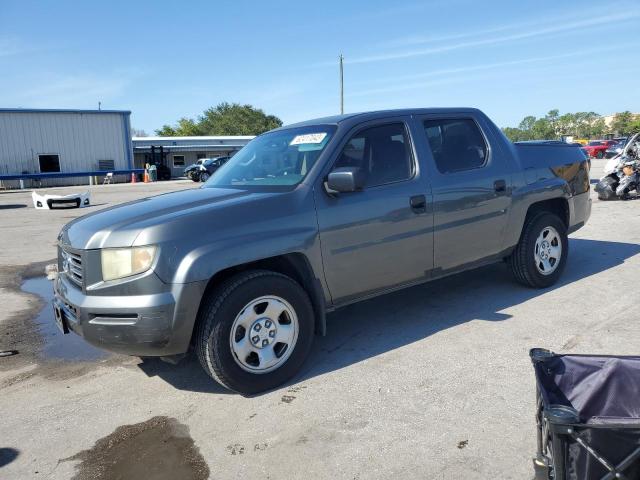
{"x":622,"y":173}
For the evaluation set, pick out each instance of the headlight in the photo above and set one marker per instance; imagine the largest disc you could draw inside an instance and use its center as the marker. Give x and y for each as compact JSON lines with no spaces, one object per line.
{"x":124,"y":262}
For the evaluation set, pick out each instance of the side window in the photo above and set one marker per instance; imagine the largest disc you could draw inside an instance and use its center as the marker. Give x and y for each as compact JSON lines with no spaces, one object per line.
{"x":456,"y":144}
{"x":381,"y":152}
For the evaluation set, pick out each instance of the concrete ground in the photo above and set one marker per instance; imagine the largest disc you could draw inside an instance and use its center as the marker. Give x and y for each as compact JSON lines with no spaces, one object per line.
{"x":431,"y":382}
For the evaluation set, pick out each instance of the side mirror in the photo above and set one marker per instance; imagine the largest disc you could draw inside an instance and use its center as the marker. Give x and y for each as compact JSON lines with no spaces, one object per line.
{"x":345,"y":179}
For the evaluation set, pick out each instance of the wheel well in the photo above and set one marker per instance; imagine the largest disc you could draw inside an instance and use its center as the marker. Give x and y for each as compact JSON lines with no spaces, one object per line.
{"x":558,"y":206}
{"x":294,"y":265}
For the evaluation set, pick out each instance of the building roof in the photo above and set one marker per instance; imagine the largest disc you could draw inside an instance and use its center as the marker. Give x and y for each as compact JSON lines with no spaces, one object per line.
{"x":213,"y":142}
{"x":59,"y":110}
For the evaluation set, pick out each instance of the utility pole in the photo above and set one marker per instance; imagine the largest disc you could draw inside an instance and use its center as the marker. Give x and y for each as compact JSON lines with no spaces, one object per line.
{"x":341,"y":85}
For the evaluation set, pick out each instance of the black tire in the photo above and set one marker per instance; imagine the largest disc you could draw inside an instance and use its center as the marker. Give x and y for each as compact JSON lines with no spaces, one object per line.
{"x":216,"y":317}
{"x":600,"y":154}
{"x":522,"y":260}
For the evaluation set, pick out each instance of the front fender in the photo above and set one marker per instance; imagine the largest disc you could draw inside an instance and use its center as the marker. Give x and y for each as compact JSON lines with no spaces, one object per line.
{"x":206,"y":260}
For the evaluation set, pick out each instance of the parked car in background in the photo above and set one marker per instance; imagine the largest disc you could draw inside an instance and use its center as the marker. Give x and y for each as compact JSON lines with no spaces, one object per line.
{"x":309,"y":218}
{"x":204,"y":168}
{"x":616,"y":148}
{"x":596,"y":148}
{"x":191,"y":169}
{"x":207,"y":168}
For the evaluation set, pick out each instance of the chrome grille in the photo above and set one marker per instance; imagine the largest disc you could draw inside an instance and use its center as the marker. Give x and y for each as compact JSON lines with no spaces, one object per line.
{"x":72,"y":266}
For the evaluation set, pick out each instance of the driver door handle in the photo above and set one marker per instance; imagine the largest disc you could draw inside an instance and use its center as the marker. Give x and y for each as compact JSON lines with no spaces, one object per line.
{"x":500,"y":186}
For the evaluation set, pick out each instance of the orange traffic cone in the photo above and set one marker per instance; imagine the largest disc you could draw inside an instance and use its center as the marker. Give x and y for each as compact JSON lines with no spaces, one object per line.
{"x":146,"y":177}
{"x":133,"y":178}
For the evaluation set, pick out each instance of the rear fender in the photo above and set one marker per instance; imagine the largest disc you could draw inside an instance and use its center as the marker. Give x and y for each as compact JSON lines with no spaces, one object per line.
{"x":523,"y":198}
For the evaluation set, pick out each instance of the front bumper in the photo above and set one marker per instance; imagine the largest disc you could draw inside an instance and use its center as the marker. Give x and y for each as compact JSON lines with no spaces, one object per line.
{"x":158,"y":324}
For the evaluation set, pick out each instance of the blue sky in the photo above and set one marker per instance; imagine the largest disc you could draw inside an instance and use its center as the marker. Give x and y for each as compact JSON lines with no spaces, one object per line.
{"x":167,"y":59}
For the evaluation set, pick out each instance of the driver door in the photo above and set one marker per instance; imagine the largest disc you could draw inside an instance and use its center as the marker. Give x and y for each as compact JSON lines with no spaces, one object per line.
{"x":381,"y":236}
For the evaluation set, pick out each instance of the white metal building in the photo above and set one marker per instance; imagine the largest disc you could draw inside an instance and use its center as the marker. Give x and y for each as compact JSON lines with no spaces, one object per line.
{"x":65,"y":141}
{"x":179,"y":152}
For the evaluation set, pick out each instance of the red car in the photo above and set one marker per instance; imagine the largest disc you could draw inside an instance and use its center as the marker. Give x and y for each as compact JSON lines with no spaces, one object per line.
{"x":596,"y":148}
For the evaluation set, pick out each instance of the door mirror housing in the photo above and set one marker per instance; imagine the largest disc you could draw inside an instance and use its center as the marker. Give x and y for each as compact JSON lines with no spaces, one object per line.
{"x":345,"y":179}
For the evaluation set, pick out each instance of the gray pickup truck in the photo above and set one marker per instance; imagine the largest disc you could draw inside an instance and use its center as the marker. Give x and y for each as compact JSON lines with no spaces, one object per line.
{"x":309,"y":218}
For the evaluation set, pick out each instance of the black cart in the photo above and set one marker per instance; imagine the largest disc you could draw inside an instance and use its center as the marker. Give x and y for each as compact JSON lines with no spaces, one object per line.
{"x":588,"y":416}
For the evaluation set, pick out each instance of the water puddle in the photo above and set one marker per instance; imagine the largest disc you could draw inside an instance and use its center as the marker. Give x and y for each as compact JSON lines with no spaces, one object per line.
{"x":160,"y":448}
{"x":56,"y":345}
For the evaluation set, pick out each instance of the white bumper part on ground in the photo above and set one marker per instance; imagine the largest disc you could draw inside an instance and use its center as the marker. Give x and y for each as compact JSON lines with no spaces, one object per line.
{"x":48,"y":202}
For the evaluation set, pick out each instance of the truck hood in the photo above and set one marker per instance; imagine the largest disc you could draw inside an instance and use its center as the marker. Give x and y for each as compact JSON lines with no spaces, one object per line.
{"x":119,"y":226}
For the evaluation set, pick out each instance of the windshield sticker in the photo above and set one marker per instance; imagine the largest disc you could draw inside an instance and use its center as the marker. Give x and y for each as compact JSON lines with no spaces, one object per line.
{"x":308,"y":138}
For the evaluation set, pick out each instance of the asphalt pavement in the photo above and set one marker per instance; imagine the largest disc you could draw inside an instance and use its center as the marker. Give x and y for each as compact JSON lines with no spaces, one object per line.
{"x":430,"y":382}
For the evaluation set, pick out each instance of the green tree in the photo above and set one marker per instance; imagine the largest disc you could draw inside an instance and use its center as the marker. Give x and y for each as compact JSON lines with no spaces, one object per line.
{"x":622,"y":123}
{"x":566,"y":124}
{"x":634,"y":127}
{"x":224,"y":119}
{"x":597,"y":128}
{"x":553,"y":126}
{"x":543,"y":129}
{"x":186,"y":127}
{"x":526,"y":126}
{"x":514,"y":134}
{"x":236,"y":119}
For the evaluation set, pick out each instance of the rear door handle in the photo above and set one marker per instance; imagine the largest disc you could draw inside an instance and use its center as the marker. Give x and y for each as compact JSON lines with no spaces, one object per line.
{"x":418,"y":203}
{"x":500,"y":186}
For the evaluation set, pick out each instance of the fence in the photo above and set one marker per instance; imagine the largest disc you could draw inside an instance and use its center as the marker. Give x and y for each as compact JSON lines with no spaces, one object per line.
{"x":21,"y":177}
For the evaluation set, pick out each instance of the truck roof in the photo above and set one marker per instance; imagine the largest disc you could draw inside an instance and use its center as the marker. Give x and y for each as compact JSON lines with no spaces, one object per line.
{"x":364,"y":116}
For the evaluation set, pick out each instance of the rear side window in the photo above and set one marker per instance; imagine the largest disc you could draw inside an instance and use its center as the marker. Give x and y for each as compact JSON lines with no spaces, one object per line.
{"x":381,"y":152}
{"x":456,"y":144}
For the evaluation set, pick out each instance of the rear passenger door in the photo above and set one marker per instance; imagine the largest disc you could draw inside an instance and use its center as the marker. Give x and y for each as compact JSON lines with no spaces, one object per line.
{"x":471,"y":190}
{"x":381,"y":236}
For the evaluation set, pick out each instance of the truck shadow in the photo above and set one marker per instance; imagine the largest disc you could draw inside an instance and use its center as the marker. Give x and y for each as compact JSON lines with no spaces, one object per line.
{"x":382,"y":324}
{"x":8,"y":455}
{"x":187,"y":375}
{"x":365,"y":330}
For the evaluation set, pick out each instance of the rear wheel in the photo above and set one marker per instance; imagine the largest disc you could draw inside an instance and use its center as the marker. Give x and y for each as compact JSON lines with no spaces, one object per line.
{"x":541,"y":253}
{"x":255,"y":331}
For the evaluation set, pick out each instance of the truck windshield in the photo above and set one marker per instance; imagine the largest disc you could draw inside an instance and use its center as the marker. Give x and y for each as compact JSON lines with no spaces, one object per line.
{"x":279,"y":159}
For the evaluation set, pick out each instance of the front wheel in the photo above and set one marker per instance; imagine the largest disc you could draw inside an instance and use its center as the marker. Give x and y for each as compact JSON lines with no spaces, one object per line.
{"x":541,"y":253}
{"x":204,"y":176}
{"x":254,"y":331}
